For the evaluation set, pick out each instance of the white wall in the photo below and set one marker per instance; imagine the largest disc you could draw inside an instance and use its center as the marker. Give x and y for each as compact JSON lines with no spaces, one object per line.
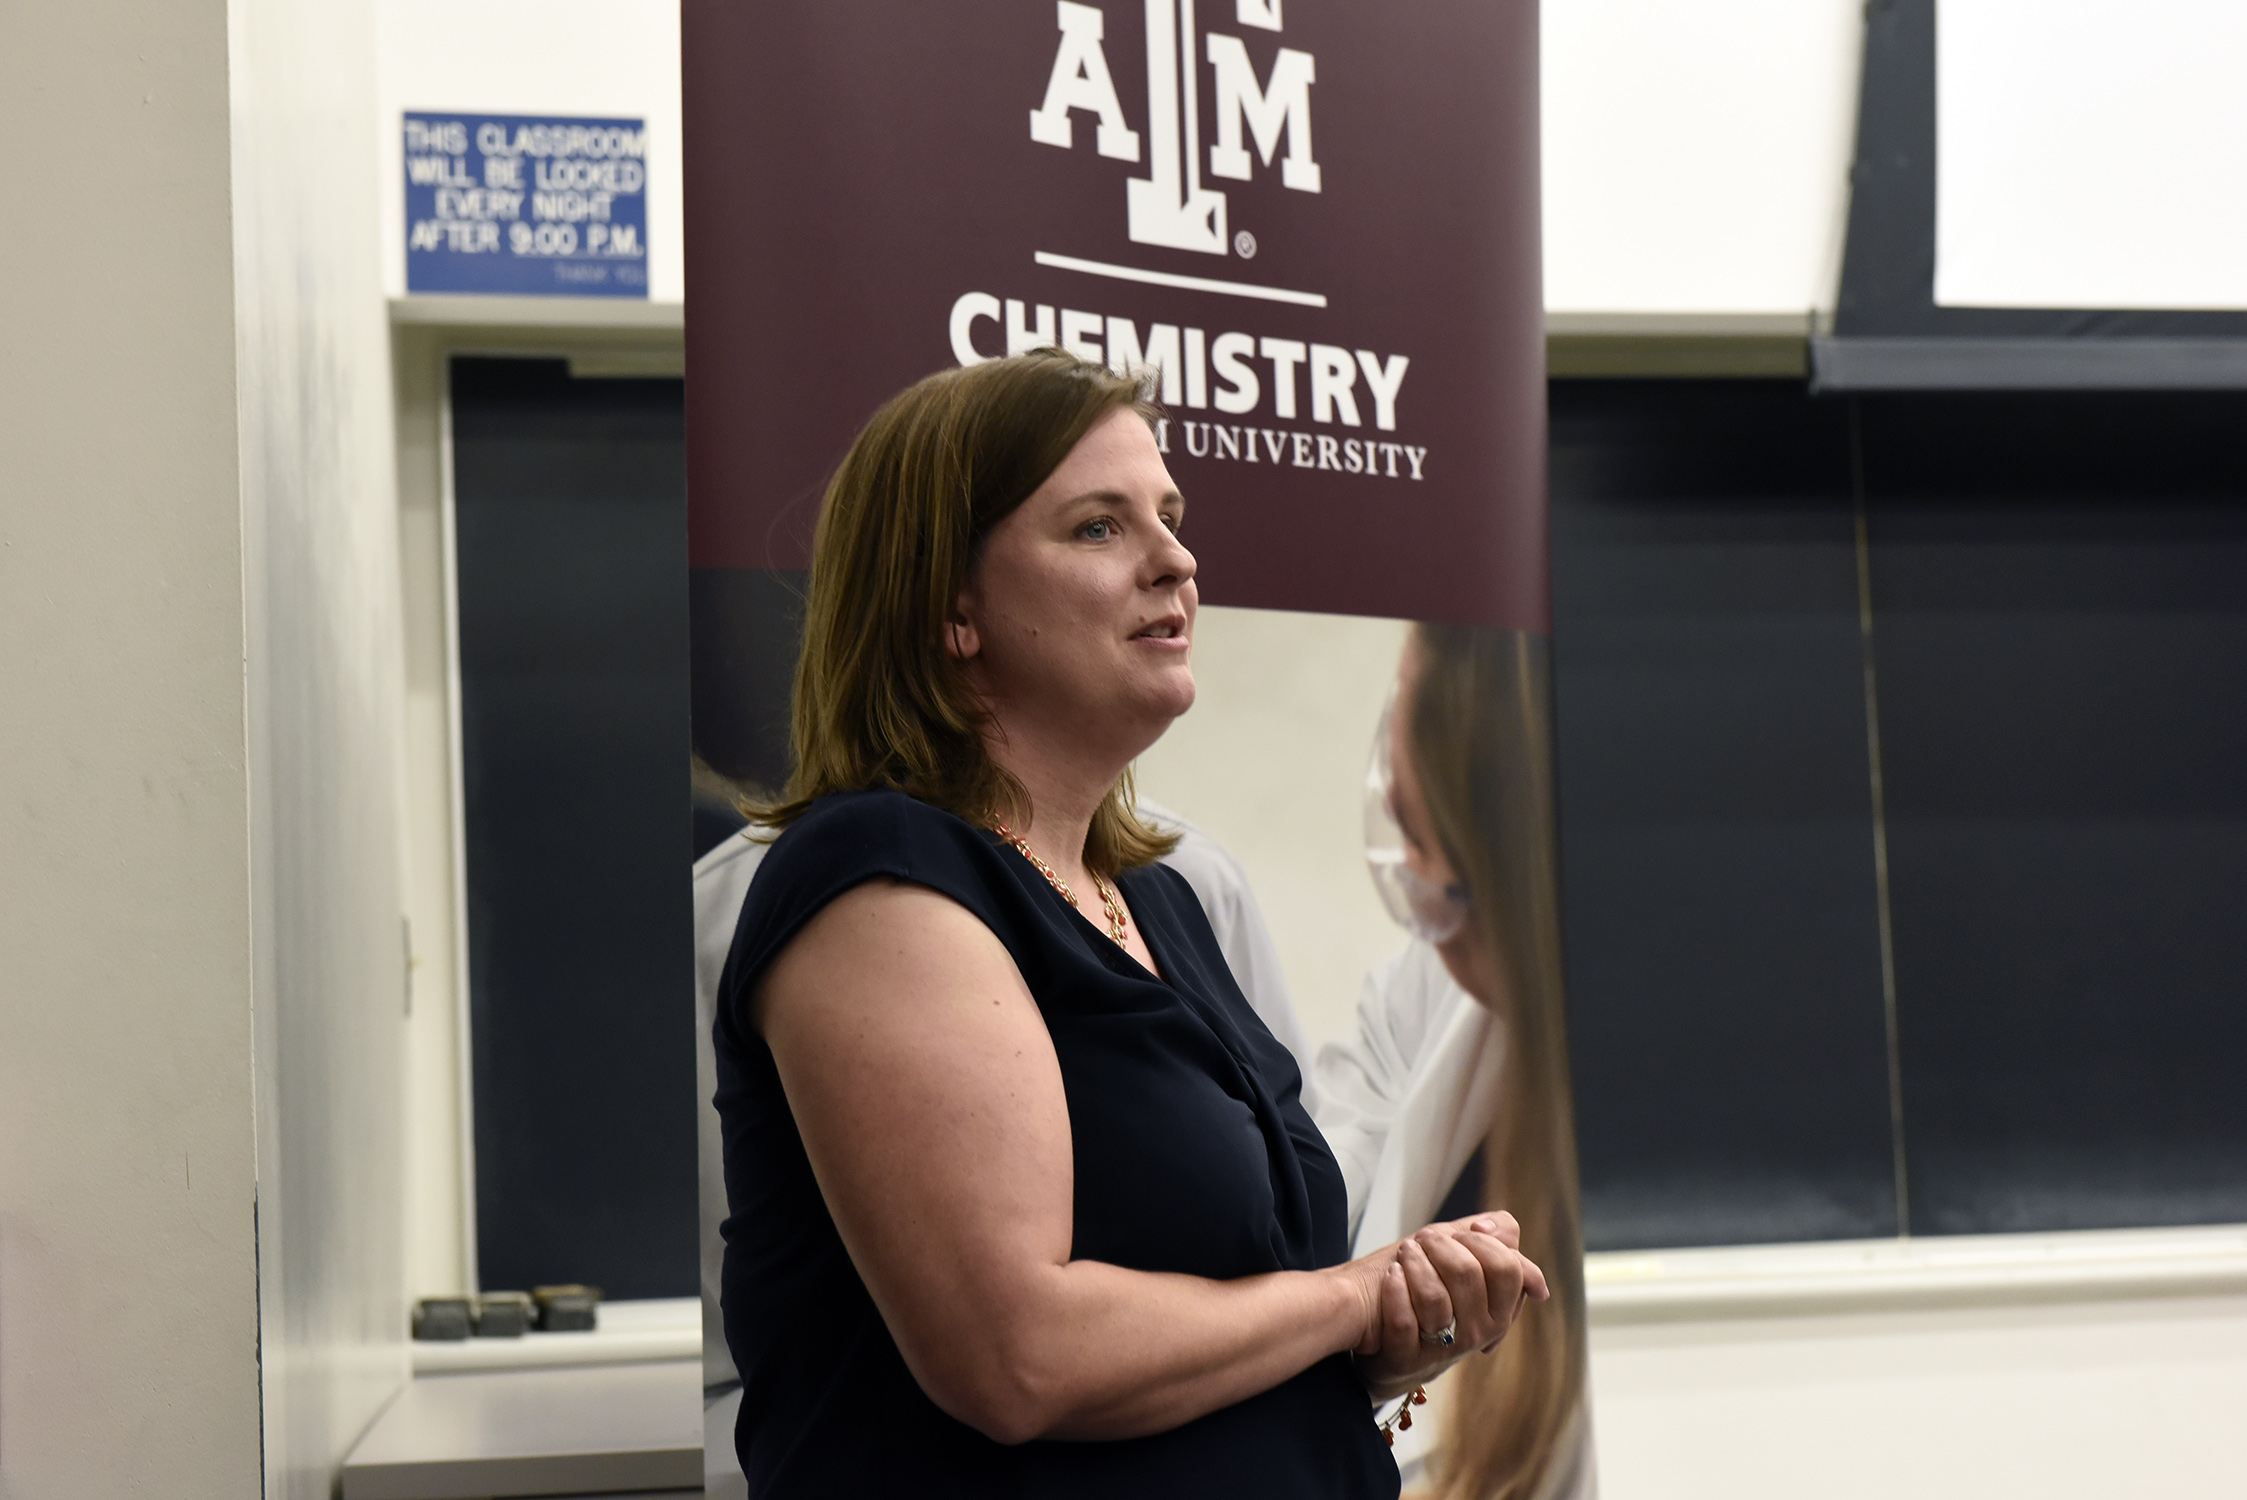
{"x":2063,"y":1401}
{"x":562,"y":57}
{"x":128,"y":1290}
{"x":1696,"y":157}
{"x":1271,"y":760}
{"x":2076,"y":1366}
{"x":325,"y":697}
{"x":439,"y":1252}
{"x":2044,"y":199}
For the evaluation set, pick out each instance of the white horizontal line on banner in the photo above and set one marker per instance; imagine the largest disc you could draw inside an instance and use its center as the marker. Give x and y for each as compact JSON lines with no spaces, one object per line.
{"x":1183,"y":283}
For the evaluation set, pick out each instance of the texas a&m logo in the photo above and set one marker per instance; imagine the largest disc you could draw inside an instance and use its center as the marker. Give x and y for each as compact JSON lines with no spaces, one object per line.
{"x":1170,"y":206}
{"x":1203,"y":369}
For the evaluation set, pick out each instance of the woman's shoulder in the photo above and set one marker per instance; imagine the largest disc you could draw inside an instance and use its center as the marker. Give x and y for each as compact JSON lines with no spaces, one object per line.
{"x":862,"y":835}
{"x":848,"y":838}
{"x":843,"y":841}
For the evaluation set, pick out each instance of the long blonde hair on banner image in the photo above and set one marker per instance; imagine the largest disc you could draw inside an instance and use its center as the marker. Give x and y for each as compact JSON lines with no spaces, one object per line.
{"x":1480,"y":734}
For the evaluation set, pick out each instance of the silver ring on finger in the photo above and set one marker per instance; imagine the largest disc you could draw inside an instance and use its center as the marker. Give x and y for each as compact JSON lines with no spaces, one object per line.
{"x":1447,"y":1335}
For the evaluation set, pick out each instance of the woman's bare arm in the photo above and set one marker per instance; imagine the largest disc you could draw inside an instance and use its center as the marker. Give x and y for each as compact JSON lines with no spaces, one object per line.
{"x":930,"y":1101}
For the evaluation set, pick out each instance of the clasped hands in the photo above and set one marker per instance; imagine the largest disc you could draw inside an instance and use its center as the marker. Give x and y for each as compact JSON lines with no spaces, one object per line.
{"x":1468,"y":1275}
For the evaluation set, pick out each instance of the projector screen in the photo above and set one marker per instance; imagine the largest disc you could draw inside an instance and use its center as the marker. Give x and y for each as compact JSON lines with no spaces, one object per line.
{"x":2091,"y":154}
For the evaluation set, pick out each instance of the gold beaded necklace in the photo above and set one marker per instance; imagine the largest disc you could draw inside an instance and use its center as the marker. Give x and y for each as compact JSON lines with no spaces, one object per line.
{"x":1110,"y":902}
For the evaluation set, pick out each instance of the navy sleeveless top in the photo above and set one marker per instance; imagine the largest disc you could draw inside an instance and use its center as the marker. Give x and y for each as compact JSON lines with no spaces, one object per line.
{"x":1193,"y":1155}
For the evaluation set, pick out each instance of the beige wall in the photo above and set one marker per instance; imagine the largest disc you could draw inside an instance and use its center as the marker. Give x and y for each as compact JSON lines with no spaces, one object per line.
{"x":128,"y":1292}
{"x":200,"y":943}
{"x":325,"y":718}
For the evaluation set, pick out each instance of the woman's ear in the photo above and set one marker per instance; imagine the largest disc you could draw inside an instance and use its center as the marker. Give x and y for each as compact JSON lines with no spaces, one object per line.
{"x":960,"y":637}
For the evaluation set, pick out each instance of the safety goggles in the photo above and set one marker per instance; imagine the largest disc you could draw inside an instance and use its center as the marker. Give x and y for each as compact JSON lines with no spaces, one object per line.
{"x":1430,"y":911}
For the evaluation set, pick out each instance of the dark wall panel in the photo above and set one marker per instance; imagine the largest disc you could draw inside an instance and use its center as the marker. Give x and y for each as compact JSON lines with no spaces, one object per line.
{"x":571,"y":531}
{"x":2060,"y":585}
{"x":1726,"y":1014}
{"x":748,"y":631}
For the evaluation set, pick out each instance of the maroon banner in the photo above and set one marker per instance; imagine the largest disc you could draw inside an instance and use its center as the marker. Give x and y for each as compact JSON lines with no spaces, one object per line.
{"x":1317,"y":219}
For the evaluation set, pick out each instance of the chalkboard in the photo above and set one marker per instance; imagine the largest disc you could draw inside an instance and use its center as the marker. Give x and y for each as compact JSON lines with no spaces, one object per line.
{"x":2060,"y":585}
{"x":571,"y":546}
{"x":1726,"y":1014}
{"x":2057,"y":589}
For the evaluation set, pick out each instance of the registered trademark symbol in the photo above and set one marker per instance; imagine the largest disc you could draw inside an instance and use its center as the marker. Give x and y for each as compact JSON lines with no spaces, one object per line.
{"x":1244,"y":245}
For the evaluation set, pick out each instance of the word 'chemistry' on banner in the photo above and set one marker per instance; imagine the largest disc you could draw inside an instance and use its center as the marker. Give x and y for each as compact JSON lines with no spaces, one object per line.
{"x":1311,"y":227}
{"x":526,"y":204}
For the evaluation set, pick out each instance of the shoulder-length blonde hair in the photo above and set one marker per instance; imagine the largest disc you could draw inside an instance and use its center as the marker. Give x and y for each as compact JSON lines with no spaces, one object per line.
{"x":880,"y":702}
{"x":1480,"y":736}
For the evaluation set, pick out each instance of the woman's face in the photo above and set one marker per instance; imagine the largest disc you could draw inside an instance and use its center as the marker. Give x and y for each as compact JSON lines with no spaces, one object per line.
{"x":1466,"y":954}
{"x":1080,"y":613}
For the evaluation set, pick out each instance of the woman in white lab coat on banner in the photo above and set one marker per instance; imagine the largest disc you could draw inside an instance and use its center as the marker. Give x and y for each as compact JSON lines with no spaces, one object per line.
{"x":1461,"y":1044}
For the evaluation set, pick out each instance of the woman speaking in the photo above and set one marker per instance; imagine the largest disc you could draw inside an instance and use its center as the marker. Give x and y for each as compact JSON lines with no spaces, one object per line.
{"x":1022,"y":1199}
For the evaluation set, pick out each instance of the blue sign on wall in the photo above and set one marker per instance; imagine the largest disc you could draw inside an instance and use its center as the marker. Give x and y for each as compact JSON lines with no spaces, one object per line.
{"x":526,"y":204}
